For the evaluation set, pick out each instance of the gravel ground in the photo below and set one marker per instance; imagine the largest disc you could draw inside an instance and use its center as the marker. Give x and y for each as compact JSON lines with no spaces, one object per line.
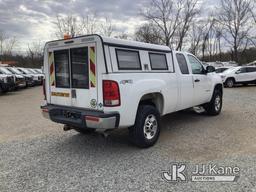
{"x":36,"y":155}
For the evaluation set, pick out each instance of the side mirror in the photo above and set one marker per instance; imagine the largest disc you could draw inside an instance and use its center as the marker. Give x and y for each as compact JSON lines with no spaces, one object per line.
{"x":210,"y":69}
{"x":237,"y":72}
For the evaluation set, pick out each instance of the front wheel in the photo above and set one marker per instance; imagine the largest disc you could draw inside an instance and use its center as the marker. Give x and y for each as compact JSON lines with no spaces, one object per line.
{"x":215,"y":105}
{"x":230,"y":83}
{"x":146,"y":130}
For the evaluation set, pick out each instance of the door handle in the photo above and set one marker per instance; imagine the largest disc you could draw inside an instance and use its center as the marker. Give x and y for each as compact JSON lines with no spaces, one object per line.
{"x":197,"y":80}
{"x":73,"y":93}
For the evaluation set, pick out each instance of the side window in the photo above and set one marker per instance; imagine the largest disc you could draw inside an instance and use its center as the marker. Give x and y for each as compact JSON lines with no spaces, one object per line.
{"x":197,"y":67}
{"x":182,"y":63}
{"x":251,"y":69}
{"x":158,"y":61}
{"x":61,"y":60}
{"x":242,"y":70}
{"x":128,"y":60}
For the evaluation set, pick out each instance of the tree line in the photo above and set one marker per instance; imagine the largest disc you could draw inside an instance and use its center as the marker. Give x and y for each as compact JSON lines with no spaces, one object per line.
{"x":226,"y":33}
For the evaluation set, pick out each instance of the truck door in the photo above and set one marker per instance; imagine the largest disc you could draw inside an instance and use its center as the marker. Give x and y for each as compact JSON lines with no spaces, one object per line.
{"x":242,"y":75}
{"x":186,"y":86}
{"x":59,"y":77}
{"x":201,"y":81}
{"x":73,"y":76}
{"x":83,"y":77}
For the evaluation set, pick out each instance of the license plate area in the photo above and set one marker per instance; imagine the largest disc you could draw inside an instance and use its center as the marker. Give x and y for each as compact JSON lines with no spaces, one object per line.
{"x":71,"y":114}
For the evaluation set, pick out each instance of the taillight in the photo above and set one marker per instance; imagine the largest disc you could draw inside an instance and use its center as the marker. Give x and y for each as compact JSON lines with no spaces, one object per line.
{"x":44,"y":91}
{"x":111,"y":94}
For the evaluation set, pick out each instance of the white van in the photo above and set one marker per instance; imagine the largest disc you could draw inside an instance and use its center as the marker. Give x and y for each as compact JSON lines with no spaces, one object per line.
{"x":100,"y":83}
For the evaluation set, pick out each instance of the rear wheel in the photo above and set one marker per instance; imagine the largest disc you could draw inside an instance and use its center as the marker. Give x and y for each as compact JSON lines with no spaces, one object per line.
{"x":146,"y":130}
{"x":215,"y":105}
{"x":230,"y":83}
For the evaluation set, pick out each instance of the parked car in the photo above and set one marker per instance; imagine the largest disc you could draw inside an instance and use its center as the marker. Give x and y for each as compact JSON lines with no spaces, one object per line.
{"x":10,"y":78}
{"x":221,"y":69}
{"x":28,"y":78}
{"x":239,"y":75}
{"x":4,"y":85}
{"x":95,"y":83}
{"x":20,"y":81}
{"x":35,"y":78}
{"x":39,"y":75}
{"x":39,"y":71}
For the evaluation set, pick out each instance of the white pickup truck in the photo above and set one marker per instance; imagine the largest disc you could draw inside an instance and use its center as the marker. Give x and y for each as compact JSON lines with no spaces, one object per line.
{"x":95,"y":83}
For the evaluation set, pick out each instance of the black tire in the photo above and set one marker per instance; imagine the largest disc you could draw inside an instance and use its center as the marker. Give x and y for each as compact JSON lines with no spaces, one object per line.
{"x":230,"y":82}
{"x":85,"y":131}
{"x":215,"y":105}
{"x":137,"y":133}
{"x":1,"y":90}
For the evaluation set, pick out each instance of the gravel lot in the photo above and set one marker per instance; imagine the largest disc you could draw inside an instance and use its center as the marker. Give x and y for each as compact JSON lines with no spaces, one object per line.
{"x":36,"y":155}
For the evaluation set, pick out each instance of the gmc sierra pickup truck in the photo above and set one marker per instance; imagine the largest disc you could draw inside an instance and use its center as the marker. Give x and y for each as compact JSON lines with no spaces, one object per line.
{"x":96,"y":83}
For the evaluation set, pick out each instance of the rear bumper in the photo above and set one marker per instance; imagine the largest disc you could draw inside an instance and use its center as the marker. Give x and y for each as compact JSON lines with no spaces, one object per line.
{"x":82,"y":118}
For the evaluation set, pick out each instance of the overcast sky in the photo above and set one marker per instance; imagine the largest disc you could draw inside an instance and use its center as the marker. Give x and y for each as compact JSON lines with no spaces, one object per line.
{"x":32,"y":20}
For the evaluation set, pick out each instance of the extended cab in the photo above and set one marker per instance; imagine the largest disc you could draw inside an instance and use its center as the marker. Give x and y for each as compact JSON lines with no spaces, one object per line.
{"x":95,"y":83}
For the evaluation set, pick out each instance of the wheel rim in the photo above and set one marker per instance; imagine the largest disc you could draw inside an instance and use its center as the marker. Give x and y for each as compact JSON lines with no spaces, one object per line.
{"x":230,"y":83}
{"x":217,"y":103}
{"x":150,"y":127}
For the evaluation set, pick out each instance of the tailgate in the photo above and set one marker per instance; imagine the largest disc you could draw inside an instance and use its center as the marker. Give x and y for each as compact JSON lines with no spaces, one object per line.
{"x":72,"y":75}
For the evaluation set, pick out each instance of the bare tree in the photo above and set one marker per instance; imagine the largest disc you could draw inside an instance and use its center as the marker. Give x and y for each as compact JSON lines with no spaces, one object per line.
{"x":106,"y":27}
{"x":76,"y":25}
{"x":165,"y":15}
{"x":122,"y":35}
{"x":35,"y":53}
{"x":3,"y":38}
{"x":196,"y":36}
{"x":90,"y":24}
{"x":148,"y":33}
{"x":68,"y":25}
{"x":82,"y":25}
{"x":188,"y":12}
{"x":207,"y":31}
{"x":235,"y":17}
{"x":7,"y":45}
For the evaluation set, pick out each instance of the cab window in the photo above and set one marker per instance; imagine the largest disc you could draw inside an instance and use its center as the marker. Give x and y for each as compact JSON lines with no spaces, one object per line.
{"x":251,"y":69}
{"x":182,"y":63}
{"x":242,"y":70}
{"x":197,"y":67}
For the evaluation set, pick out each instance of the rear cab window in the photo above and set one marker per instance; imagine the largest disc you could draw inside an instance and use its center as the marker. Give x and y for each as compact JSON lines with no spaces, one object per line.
{"x":182,"y":63}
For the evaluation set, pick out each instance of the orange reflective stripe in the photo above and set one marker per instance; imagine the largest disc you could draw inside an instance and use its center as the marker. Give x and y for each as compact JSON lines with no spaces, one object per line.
{"x":92,"y":74}
{"x":51,"y":63}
